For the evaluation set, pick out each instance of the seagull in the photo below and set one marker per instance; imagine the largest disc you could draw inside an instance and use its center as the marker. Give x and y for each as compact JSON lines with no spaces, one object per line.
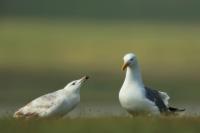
{"x":138,"y":99}
{"x":55,"y":104}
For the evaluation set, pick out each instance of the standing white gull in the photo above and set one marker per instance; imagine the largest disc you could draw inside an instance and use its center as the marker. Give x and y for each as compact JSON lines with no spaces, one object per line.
{"x":55,"y":104}
{"x":136,"y":98}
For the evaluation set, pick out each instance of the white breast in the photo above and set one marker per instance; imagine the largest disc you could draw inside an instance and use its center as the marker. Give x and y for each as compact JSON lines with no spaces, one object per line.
{"x":131,"y":99}
{"x":134,"y":100}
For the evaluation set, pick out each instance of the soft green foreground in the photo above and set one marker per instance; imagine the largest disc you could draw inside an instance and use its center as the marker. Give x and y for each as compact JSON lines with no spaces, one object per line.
{"x":103,"y":125}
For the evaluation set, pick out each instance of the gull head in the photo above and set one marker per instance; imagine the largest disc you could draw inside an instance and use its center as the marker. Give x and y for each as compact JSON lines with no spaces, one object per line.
{"x":76,"y":84}
{"x":129,"y":60}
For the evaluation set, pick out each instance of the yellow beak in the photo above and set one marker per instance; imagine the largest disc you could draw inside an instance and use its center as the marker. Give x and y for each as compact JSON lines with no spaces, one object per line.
{"x":125,"y":66}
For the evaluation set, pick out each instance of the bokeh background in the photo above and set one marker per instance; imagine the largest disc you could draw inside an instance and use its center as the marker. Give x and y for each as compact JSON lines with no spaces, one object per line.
{"x":44,"y":44}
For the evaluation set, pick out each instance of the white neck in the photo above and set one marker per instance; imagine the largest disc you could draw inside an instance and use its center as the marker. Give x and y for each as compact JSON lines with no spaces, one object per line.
{"x":133,"y":76}
{"x":72,"y":90}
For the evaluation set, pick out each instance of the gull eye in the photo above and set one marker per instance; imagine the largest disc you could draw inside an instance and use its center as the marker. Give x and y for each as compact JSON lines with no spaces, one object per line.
{"x":73,"y":83}
{"x":131,"y":59}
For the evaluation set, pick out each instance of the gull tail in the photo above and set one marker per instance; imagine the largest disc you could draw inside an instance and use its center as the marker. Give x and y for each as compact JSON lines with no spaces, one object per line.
{"x":18,"y":114}
{"x":175,"y":110}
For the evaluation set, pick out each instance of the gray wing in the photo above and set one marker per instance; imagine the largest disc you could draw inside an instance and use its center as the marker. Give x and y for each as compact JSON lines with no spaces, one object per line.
{"x":37,"y":106}
{"x":154,"y":96}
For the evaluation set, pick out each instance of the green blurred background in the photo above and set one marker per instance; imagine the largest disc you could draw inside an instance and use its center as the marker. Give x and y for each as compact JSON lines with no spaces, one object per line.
{"x":41,"y":56}
{"x":44,"y":44}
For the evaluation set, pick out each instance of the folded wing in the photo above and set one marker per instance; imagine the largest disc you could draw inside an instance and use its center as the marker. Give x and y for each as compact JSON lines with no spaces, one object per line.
{"x":38,"y":107}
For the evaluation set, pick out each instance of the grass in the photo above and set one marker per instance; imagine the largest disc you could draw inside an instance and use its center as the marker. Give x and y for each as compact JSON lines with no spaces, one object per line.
{"x":99,"y":125}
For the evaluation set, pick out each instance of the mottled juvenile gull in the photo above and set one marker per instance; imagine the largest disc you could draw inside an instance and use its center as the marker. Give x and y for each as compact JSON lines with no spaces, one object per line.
{"x":55,"y":104}
{"x":136,"y":98}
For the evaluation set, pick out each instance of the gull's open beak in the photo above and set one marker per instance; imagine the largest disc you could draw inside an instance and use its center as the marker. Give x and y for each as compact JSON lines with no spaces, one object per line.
{"x":125,"y":66}
{"x":83,"y":79}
